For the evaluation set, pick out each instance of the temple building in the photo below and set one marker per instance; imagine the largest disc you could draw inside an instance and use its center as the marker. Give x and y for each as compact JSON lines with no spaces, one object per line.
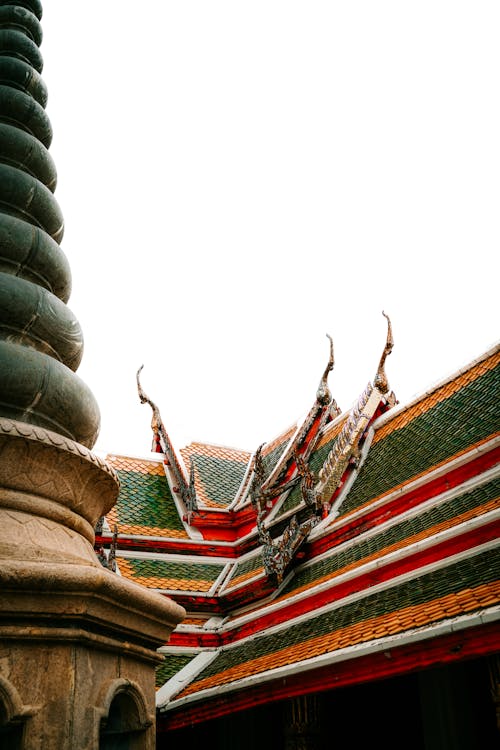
{"x":342,"y":582}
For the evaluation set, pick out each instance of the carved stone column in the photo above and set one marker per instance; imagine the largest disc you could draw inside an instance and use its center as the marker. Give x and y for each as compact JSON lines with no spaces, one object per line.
{"x":78,"y":644}
{"x":302,"y":723}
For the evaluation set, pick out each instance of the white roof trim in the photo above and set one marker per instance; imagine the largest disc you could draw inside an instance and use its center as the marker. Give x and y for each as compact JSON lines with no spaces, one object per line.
{"x":413,"y":512}
{"x":184,"y":676}
{"x":174,"y":557}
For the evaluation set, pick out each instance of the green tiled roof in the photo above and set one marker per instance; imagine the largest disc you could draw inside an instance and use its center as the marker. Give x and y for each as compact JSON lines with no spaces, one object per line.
{"x":169,"y":668}
{"x":221,"y":478}
{"x":269,"y":460}
{"x":319,"y":456}
{"x":146,"y":500}
{"x":357,"y":551}
{"x":249,"y":565}
{"x":293,"y":499}
{"x":190,"y":571}
{"x":464,"y":418}
{"x":483,"y":567}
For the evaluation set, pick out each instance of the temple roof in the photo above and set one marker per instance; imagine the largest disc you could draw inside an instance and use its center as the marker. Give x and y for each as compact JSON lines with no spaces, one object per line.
{"x":218,"y":472}
{"x":330,"y":553}
{"x":145,"y":503}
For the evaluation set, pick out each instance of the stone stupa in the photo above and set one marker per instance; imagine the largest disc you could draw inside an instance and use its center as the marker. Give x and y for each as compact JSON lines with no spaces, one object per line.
{"x":78,"y":644}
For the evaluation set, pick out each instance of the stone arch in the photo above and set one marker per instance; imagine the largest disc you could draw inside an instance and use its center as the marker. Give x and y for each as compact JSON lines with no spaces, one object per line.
{"x":124,"y":719}
{"x":13,"y":716}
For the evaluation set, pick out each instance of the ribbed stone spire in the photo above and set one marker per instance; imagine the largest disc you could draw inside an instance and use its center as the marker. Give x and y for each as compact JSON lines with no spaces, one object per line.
{"x":41,"y":342}
{"x":78,"y":643}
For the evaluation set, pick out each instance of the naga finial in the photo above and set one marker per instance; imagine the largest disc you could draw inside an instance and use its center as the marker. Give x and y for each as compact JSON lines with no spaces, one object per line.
{"x":381,"y":382}
{"x":155,"y":419}
{"x":323,"y":394}
{"x":258,"y":477}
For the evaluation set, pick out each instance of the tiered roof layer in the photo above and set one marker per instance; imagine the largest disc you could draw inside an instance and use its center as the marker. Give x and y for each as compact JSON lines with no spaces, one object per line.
{"x":398,"y":570}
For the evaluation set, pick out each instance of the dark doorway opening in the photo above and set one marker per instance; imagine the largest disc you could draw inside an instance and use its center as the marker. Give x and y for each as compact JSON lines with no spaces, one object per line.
{"x":122,"y":729}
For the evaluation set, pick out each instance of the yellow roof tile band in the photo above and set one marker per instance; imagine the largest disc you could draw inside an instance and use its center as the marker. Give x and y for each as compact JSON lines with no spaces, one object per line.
{"x":245,"y":577}
{"x":330,"y":434}
{"x":427,"y":533}
{"x":214,"y":451}
{"x":156,"y":582}
{"x":138,"y":465}
{"x":282,"y":439}
{"x":139,"y":530}
{"x":197,"y":621}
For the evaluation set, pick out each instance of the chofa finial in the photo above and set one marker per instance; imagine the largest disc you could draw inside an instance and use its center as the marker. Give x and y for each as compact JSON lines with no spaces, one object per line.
{"x":381,"y":382}
{"x":140,"y":391}
{"x":323,"y":394}
{"x":155,"y":419}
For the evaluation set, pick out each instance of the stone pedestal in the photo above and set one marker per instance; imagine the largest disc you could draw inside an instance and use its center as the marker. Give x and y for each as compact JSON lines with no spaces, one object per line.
{"x":77,"y":642}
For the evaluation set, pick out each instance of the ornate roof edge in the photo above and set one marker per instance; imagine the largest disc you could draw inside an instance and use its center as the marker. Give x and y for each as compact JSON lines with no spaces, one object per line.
{"x":380,"y":381}
{"x":184,"y":676}
{"x":346,"y":448}
{"x":276,"y":555}
{"x":317,"y":490}
{"x":324,"y":408}
{"x":242,"y":495}
{"x":162,"y":444}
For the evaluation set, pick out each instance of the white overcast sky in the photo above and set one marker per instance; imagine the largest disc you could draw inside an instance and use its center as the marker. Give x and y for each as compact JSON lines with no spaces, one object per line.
{"x":240,"y":178}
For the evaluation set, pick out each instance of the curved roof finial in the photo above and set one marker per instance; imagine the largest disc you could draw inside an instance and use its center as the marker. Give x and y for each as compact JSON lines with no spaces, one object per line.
{"x":381,"y":382}
{"x":323,"y":394}
{"x":156,"y":418}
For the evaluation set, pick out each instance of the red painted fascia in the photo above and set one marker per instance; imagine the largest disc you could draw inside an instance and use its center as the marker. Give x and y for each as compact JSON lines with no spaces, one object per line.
{"x":470,"y":643}
{"x":301,"y":448}
{"x":259,"y":590}
{"x":180,"y":546}
{"x":224,"y":527}
{"x":200,"y":604}
{"x":183,"y":639}
{"x":177,"y":546}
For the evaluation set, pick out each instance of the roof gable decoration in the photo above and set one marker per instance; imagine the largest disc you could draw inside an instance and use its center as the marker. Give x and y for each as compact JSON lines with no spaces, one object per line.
{"x":292,"y":469}
{"x":276,"y":555}
{"x":346,"y":449}
{"x":317,"y":491}
{"x":302,"y":443}
{"x":107,"y":560}
{"x":162,"y":444}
